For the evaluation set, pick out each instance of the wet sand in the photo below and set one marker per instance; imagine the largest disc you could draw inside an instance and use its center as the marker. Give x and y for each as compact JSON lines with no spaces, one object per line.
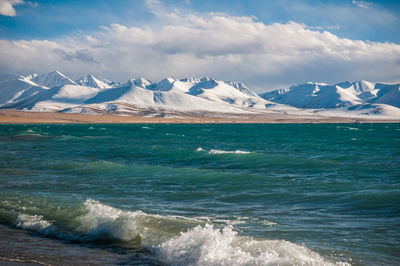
{"x":21,"y":247}
{"x":9,"y":116}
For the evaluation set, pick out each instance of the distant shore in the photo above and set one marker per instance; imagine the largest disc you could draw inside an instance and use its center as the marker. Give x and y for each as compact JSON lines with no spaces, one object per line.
{"x":11,"y":116}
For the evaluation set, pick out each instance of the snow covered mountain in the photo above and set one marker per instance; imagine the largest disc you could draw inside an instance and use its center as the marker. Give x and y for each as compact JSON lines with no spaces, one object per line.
{"x":16,"y":87}
{"x":91,"y":81}
{"x":51,"y":80}
{"x":358,"y":95}
{"x":56,"y":92}
{"x":186,"y":95}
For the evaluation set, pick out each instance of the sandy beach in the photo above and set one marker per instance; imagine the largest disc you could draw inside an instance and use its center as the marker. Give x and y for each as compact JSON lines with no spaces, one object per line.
{"x":8,"y":116}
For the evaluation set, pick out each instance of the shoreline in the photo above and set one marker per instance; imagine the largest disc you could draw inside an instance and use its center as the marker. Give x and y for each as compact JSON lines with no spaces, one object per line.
{"x":24,"y":247}
{"x":12,"y":116}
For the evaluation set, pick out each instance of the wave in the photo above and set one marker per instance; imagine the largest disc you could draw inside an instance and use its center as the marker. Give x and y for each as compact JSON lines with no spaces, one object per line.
{"x":347,"y":128}
{"x":33,"y":223}
{"x":148,"y":229}
{"x":212,"y":151}
{"x":95,"y":220}
{"x":30,"y":134}
{"x":206,"y":245}
{"x":235,"y":220}
{"x":175,"y":240}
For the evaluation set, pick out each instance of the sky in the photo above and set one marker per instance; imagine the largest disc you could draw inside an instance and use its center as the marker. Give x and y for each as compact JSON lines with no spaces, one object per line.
{"x":266,"y":44}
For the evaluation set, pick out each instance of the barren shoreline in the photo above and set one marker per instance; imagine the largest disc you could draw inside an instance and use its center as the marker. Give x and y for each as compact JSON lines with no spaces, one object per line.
{"x":12,"y":116}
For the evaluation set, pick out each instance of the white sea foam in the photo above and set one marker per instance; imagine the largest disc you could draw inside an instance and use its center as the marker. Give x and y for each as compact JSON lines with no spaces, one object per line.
{"x":236,"y":220}
{"x":269,"y":223}
{"x":33,"y":222}
{"x":212,"y":152}
{"x":180,"y":240}
{"x":225,"y":152}
{"x":137,"y":226}
{"x":172,"y":134}
{"x":101,"y":219}
{"x":206,"y":245}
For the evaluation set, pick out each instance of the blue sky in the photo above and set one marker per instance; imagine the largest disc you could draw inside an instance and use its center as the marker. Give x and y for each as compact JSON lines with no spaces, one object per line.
{"x":313,"y":33}
{"x":361,"y":20}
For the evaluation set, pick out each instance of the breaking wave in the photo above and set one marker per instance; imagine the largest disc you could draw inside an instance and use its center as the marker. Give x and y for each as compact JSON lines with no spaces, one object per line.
{"x":206,"y":245}
{"x":175,"y":240}
{"x":212,"y":151}
{"x":33,"y":223}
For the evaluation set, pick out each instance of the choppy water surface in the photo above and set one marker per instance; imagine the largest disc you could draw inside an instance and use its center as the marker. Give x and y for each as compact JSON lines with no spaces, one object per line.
{"x":202,"y":194}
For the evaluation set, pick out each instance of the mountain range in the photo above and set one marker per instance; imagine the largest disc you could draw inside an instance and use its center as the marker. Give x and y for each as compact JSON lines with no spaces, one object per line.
{"x":55,"y":92}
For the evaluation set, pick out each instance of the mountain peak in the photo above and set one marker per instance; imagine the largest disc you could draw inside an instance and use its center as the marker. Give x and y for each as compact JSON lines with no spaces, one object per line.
{"x":91,"y":81}
{"x":191,"y":80}
{"x":140,"y":82}
{"x":52,"y":79}
{"x":241,"y":87}
{"x":193,"y":94}
{"x":163,"y":85}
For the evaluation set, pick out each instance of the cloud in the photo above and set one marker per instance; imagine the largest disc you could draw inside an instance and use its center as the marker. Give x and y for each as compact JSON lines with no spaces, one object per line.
{"x":78,"y":55}
{"x":264,"y":56}
{"x":334,"y":27}
{"x":361,"y":4}
{"x":7,"y":7}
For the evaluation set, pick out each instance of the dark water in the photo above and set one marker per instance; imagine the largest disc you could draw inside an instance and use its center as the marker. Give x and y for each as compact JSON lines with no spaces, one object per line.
{"x":201,"y":194}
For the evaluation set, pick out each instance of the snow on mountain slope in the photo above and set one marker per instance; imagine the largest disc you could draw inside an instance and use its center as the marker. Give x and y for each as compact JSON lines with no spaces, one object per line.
{"x":364,"y":90}
{"x":56,"y":92}
{"x":167,"y":94}
{"x":189,"y":94}
{"x":140,"y":82}
{"x":241,"y":87}
{"x":313,"y":95}
{"x":15,"y":88}
{"x":233,"y":93}
{"x":52,"y":79}
{"x":384,"y":111}
{"x":65,"y":97}
{"x":344,"y":94}
{"x":91,"y":81}
{"x":387,"y":94}
{"x":44,"y":99}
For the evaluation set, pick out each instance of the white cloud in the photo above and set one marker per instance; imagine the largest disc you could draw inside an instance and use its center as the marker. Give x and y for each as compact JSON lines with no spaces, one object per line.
{"x":218,"y":45}
{"x":7,"y":7}
{"x":361,"y":4}
{"x":334,"y":27}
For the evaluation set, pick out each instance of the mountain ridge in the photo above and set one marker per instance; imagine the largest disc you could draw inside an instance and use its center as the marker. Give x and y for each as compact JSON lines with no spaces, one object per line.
{"x":56,"y":92}
{"x":342,"y":94}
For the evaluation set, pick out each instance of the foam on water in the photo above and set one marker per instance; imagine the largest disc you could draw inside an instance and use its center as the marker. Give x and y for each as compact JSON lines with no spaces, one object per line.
{"x":33,"y":223}
{"x":308,"y":184}
{"x":212,"y":151}
{"x":31,"y":133}
{"x":235,"y":220}
{"x":176,"y":240}
{"x":146,"y":229}
{"x":206,"y":245}
{"x":225,"y":152}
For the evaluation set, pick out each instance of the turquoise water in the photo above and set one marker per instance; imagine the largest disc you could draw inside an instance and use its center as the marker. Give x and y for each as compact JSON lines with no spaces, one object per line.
{"x":243,"y":194}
